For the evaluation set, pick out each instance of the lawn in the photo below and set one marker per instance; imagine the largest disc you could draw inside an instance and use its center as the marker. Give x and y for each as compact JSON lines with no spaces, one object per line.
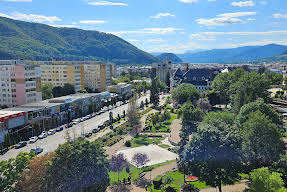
{"x":160,"y":127}
{"x":145,"y":140}
{"x":177,"y":180}
{"x":134,"y":172}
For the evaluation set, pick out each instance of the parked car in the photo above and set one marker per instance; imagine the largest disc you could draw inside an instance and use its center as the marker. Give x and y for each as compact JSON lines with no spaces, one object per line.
{"x":96,"y":130}
{"x":43,"y":135}
{"x":20,"y":144}
{"x":59,"y":129}
{"x":88,"y":134}
{"x":37,"y":150}
{"x":101,"y":127}
{"x":51,"y":132}
{"x":33,"y":139}
{"x":3,"y":151}
{"x":111,"y":127}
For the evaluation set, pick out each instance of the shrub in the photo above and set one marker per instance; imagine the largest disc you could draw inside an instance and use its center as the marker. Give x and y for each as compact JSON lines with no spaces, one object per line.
{"x":128,"y":143}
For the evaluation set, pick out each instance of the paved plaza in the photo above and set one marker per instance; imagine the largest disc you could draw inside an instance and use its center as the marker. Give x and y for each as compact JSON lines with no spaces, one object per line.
{"x":155,"y":153}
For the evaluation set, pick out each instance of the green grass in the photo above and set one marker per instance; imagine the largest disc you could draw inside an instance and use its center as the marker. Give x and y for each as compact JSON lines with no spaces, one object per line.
{"x":145,"y":111}
{"x":145,"y":140}
{"x":134,"y":173}
{"x":177,"y":180}
{"x":165,"y":146}
{"x":161,"y":127}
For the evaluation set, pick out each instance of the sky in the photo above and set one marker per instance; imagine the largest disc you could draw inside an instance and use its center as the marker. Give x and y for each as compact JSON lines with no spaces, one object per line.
{"x":174,"y":26}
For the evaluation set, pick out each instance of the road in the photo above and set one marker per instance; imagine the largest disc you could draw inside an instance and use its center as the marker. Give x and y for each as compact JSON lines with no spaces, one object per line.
{"x":52,"y":142}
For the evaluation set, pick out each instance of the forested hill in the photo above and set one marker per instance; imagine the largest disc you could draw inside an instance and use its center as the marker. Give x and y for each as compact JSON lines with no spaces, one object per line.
{"x":169,"y":56}
{"x":36,"y":41}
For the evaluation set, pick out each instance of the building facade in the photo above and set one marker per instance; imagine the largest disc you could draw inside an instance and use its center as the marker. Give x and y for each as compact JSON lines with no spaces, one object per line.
{"x":20,"y":83}
{"x":161,"y":70}
{"x":201,"y":78}
{"x":60,"y":73}
{"x":122,"y":89}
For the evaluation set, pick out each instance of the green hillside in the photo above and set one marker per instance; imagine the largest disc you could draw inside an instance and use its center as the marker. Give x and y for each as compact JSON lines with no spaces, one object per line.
{"x":36,"y":41}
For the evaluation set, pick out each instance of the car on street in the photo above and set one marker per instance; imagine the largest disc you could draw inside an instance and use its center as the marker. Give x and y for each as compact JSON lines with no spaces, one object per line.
{"x":101,"y":127}
{"x":111,"y":127}
{"x":20,"y":144}
{"x":96,"y":130}
{"x":59,"y":129}
{"x":3,"y":151}
{"x":33,"y":139}
{"x":43,"y":135}
{"x":51,"y":132}
{"x":88,"y":134}
{"x":37,"y":150}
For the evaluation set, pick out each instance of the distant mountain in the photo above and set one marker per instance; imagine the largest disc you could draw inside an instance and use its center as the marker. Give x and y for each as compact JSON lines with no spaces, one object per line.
{"x":235,"y":55}
{"x":280,"y":57}
{"x":185,"y":56}
{"x":36,"y":41}
{"x":155,"y":53}
{"x":170,"y":56}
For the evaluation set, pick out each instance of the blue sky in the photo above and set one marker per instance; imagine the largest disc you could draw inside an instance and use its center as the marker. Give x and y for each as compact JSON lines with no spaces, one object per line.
{"x":164,"y":25}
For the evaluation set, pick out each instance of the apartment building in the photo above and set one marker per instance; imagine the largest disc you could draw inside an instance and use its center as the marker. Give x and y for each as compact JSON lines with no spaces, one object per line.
{"x":160,"y":70}
{"x":20,"y":83}
{"x":98,"y":75}
{"x":61,"y":72}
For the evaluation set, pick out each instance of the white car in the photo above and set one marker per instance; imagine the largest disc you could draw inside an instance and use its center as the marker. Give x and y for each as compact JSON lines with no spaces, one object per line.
{"x":51,"y":132}
{"x":43,"y":135}
{"x":33,"y":139}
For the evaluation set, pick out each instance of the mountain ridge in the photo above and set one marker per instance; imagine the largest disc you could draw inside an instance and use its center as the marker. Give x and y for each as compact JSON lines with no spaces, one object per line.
{"x":169,"y":56}
{"x":35,"y":41}
{"x":234,"y":55}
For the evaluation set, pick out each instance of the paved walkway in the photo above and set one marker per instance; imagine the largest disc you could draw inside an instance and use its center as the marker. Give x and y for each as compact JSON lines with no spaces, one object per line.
{"x":229,"y":188}
{"x":175,"y":128}
{"x":160,"y":170}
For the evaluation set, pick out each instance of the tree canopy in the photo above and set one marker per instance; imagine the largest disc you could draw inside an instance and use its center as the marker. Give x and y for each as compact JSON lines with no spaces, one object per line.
{"x":77,"y":166}
{"x":185,"y":92}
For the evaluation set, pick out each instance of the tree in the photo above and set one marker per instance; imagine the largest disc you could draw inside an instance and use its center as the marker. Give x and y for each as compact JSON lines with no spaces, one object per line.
{"x":140,"y":159}
{"x":83,"y":91}
{"x":68,"y":89}
{"x":274,"y":78}
{"x":280,"y":166}
{"x":167,"y":81}
{"x":213,"y":154}
{"x":118,"y":161}
{"x":221,"y":85}
{"x":253,"y":85}
{"x":204,"y":105}
{"x":264,"y":181}
{"x":81,"y":165}
{"x":212,"y":97}
{"x":185,"y":92}
{"x":142,"y":105}
{"x":31,"y":178}
{"x":263,"y":108}
{"x":57,"y":91}
{"x":154,"y":92}
{"x":47,"y":91}
{"x":111,"y":118}
{"x":11,"y":170}
{"x":133,"y":115}
{"x":261,"y":142}
{"x":190,"y":116}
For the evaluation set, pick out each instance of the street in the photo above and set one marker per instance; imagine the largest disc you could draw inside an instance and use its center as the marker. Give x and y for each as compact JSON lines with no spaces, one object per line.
{"x":52,"y":142}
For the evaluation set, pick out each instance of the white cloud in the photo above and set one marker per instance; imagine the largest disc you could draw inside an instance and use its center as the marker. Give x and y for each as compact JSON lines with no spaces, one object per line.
{"x":243,"y":3}
{"x":160,"y":40}
{"x":159,"y":31}
{"x":62,"y":26}
{"x":92,"y":21}
{"x":159,"y":15}
{"x":106,"y":3}
{"x":188,"y":1}
{"x":17,"y":0}
{"x":244,"y":33}
{"x":279,"y":16}
{"x":133,"y":40}
{"x":201,"y":37}
{"x":31,"y":17}
{"x":263,"y":2}
{"x":225,"y":19}
{"x":251,"y":19}
{"x":236,"y":14}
